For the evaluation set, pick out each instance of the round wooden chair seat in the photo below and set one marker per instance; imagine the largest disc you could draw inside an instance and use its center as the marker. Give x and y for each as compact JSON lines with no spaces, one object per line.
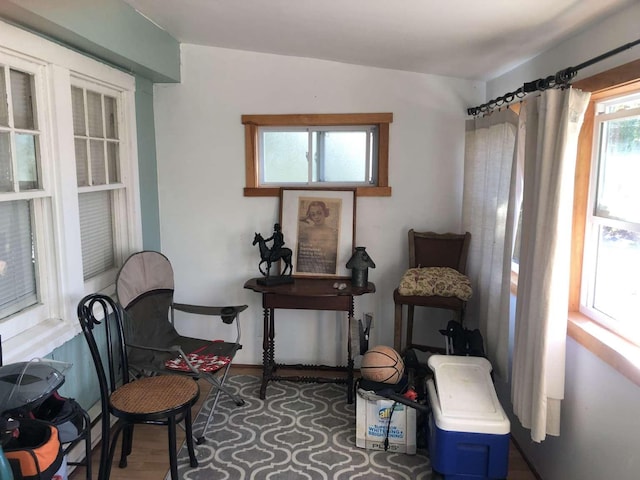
{"x":155,"y":395}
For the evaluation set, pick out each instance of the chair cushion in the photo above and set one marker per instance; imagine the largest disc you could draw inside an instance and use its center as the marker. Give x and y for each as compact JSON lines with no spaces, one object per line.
{"x":435,"y":281}
{"x":203,"y":362}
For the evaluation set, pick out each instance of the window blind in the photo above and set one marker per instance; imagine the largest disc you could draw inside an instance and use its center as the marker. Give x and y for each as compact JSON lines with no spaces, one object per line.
{"x":17,"y":264}
{"x":96,"y":226}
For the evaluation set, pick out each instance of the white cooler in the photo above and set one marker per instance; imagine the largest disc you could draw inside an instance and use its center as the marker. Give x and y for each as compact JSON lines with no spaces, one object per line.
{"x":468,"y":429}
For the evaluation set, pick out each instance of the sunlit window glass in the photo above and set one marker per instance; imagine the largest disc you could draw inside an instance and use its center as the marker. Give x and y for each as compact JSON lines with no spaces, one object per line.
{"x":611,"y":264}
{"x":327,"y":155}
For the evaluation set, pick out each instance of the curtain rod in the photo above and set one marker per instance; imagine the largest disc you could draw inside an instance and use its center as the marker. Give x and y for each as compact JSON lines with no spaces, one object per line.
{"x":560,"y":79}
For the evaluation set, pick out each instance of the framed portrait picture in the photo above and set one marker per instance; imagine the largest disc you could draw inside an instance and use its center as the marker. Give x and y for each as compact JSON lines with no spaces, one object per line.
{"x":319,"y":227}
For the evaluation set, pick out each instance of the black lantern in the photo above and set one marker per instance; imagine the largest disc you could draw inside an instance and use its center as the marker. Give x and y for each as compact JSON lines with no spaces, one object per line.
{"x":359,"y":263}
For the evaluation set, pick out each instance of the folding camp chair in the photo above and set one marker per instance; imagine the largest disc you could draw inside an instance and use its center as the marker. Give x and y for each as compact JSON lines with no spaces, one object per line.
{"x":145,"y":287}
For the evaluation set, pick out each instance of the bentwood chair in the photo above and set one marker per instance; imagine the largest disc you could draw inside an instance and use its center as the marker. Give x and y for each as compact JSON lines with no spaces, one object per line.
{"x":436,"y":279}
{"x":158,"y":400}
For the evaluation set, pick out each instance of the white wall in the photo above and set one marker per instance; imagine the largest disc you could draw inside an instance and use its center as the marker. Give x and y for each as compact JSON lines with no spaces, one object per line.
{"x":601,"y":410}
{"x":207,"y":225}
{"x":608,"y":34}
{"x":599,"y":425}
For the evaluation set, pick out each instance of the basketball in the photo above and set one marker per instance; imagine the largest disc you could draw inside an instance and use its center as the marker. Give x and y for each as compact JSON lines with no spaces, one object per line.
{"x":382,"y":364}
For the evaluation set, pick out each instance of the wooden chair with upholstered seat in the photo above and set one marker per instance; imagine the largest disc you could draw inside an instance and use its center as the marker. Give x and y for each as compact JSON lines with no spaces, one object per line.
{"x":158,"y":400}
{"x":436,"y":279}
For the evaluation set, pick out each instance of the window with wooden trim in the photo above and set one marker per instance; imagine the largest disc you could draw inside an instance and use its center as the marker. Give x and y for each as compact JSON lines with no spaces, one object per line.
{"x":601,"y":333}
{"x":610,"y":292}
{"x":318,"y":150}
{"x":598,"y":236}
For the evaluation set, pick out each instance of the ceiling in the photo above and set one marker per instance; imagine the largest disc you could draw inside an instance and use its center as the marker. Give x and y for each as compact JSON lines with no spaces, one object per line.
{"x":461,"y":38}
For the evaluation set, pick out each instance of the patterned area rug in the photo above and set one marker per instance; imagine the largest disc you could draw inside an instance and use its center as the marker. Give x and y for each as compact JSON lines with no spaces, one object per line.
{"x":300,"y":432}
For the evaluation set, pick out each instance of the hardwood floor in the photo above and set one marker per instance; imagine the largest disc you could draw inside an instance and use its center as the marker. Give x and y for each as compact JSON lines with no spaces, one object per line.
{"x":518,"y":467}
{"x":149,"y":459}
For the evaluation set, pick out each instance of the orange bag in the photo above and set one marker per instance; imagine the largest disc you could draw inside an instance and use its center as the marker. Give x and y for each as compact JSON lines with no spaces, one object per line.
{"x":36,"y":452}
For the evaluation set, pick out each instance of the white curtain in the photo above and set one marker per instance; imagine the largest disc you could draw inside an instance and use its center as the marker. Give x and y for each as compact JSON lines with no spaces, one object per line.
{"x":552,"y":123}
{"x":489,"y":155}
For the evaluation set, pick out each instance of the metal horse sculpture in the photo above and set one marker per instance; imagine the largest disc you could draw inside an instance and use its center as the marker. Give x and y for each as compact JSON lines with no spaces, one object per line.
{"x":268,"y":257}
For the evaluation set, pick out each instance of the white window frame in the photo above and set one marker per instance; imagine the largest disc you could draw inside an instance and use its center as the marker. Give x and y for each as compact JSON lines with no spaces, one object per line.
{"x":592,"y":232}
{"x":37,"y":331}
{"x":40,"y":199}
{"x":119,"y":198}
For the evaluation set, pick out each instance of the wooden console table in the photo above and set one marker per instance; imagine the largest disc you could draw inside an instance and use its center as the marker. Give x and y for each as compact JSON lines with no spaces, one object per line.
{"x":305,"y":294}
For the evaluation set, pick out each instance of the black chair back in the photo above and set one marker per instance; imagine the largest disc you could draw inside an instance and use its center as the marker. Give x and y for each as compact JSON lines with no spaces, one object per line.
{"x":101,"y":320}
{"x":157,"y":400}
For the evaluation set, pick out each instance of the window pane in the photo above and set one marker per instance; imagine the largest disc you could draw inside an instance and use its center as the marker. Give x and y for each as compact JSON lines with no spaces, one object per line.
{"x":615,"y":105}
{"x":94,"y":107}
{"x":110,"y":115}
{"x":98,"y":172}
{"x":77,"y":106}
{"x":617,"y":282}
{"x":308,"y":155}
{"x":6,"y":179}
{"x":82,"y":165}
{"x":113,"y":162}
{"x":101,"y":172}
{"x":285,"y":157}
{"x":4,"y":105}
{"x":618,"y":195}
{"x":17,"y":263}
{"x":344,"y":156}
{"x":27,"y":161}
{"x":96,"y":233}
{"x":22,"y":98}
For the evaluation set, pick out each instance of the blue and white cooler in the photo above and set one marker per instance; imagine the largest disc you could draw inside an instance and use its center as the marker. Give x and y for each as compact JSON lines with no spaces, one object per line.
{"x":468,"y":429}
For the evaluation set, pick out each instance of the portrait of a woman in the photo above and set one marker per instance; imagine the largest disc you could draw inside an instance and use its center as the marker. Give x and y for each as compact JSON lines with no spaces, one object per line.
{"x":317,"y":250}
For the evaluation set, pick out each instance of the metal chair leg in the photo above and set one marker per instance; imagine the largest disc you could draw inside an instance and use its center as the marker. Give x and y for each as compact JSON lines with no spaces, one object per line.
{"x":219,"y":385}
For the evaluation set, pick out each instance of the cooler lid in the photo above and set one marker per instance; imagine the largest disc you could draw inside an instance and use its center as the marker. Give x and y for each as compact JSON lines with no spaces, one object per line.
{"x":464,"y":395}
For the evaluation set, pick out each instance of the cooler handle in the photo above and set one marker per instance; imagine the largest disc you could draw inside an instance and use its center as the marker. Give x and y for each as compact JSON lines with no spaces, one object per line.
{"x":433,"y":399}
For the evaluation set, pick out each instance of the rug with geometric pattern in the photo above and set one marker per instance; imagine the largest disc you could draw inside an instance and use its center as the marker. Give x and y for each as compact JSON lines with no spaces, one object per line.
{"x":300,"y":432}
